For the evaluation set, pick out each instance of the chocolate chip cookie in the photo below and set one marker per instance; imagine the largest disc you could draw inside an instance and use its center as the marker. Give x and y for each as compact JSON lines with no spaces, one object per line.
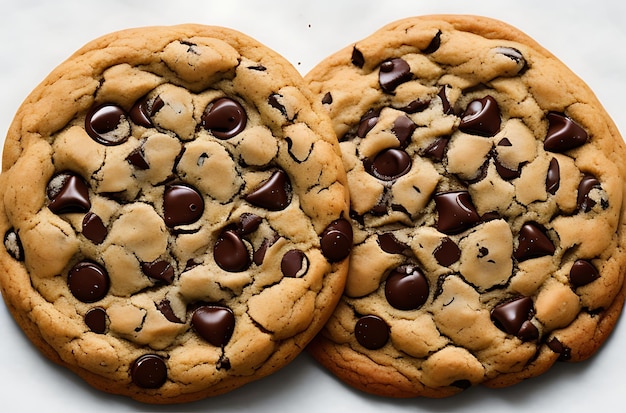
{"x":487,"y":200}
{"x":174,"y":213}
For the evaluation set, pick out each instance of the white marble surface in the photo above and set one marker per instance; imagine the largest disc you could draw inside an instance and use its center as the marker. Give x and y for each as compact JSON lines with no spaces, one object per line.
{"x":589,"y":36}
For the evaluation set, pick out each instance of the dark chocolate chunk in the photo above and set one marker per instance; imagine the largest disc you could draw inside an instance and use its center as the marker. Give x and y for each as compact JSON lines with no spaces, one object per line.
{"x":182,"y":204}
{"x":144,"y":109}
{"x":505,"y":142}
{"x":437,"y":149}
{"x":393,"y":73}
{"x":88,"y":282}
{"x":553,"y":178}
{"x":456,"y":212}
{"x":403,"y":128}
{"x":275,"y":103}
{"x":582,"y":273}
{"x":107,"y":125}
{"x":248,"y":223}
{"x":390,"y":244}
{"x":564,"y":352}
{"x":371,"y":332}
{"x":327,"y":99}
{"x":230,"y":252}
{"x":563,"y":133}
{"x":73,"y":196}
{"x":533,"y":242}
{"x":166,"y":309}
{"x":273,"y":194}
{"x":587,"y":184}
{"x":336,"y":240}
{"x":415,"y":106}
{"x":367,"y":122}
{"x":447,"y":253}
{"x":515,"y":55}
{"x":138,"y":159}
{"x":406,"y":288}
{"x":513,"y":317}
{"x":258,"y":68}
{"x":159,"y":270}
{"x":506,"y":173}
{"x":224,"y":118}
{"x":96,"y":320}
{"x":259,"y":255}
{"x":357,"y":58}
{"x":447,"y":107}
{"x":149,"y":371}
{"x":93,"y":228}
{"x":389,"y":164}
{"x":482,"y":117}
{"x":214,"y":323}
{"x":13,"y":245}
{"x":294,"y":263}
{"x":434,"y":44}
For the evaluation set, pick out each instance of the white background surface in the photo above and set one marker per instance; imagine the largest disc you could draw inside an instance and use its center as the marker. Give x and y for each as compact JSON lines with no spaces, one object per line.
{"x":589,"y":36}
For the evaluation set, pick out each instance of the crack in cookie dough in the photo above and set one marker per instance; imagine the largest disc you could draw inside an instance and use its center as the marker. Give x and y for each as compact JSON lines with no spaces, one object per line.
{"x":190,"y":213}
{"x":487,"y":206}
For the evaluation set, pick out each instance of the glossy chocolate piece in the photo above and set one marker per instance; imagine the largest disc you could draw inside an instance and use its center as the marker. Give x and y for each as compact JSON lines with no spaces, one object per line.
{"x":447,"y":107}
{"x":149,"y":371}
{"x":553,"y":178}
{"x":533,"y":243}
{"x":166,"y":309}
{"x":563,"y":133}
{"x":248,"y":223}
{"x":182,"y":204}
{"x":72,"y":197}
{"x":587,"y":184}
{"x":327,"y":99}
{"x":389,"y":164}
{"x":582,"y":273}
{"x":143,"y":110}
{"x":224,"y":118}
{"x":403,"y":128}
{"x":406,"y":288}
{"x":357,"y":58}
{"x":93,"y":228}
{"x":447,"y":253}
{"x":336,"y":240}
{"x":513,"y":318}
{"x":96,"y":320}
{"x":214,"y":323}
{"x":273,"y":194}
{"x":159,"y":270}
{"x":564,"y":352}
{"x":437,"y":149}
{"x":367,"y":122}
{"x":456,"y":212}
{"x":294,"y":263}
{"x":13,"y":245}
{"x":434,"y":44}
{"x":482,"y":117}
{"x":506,"y":173}
{"x":390,"y":244}
{"x":230,"y":252}
{"x":415,"y":106}
{"x":393,"y":73}
{"x":102,"y":122}
{"x":371,"y":332}
{"x":138,"y":159}
{"x":88,"y":282}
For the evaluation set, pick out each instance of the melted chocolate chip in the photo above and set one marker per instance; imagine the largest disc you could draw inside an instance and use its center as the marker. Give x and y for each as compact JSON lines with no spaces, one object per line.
{"x":553,"y":178}
{"x":533,"y":242}
{"x":273,"y":194}
{"x":149,"y":371}
{"x":367,"y":122}
{"x":563,"y":134}
{"x":336,"y":240}
{"x":513,"y":318}
{"x":214,"y":323}
{"x":182,"y":204}
{"x":587,"y":184}
{"x":434,"y":44}
{"x":224,"y":118}
{"x":166,"y":309}
{"x":107,"y":125}
{"x":447,"y":107}
{"x":88,"y":282}
{"x":138,"y":159}
{"x":144,"y":109}
{"x":403,"y":128}
{"x":456,"y":212}
{"x":230,"y":252}
{"x":393,"y":73}
{"x":248,"y":223}
{"x":357,"y":58}
{"x":389,"y":164}
{"x":447,"y":253}
{"x":564,"y":352}
{"x":13,"y":245}
{"x":415,"y":106}
{"x":371,"y":332}
{"x":582,"y":273}
{"x":259,"y":255}
{"x":275,"y":103}
{"x":482,"y":117}
{"x":159,"y":270}
{"x":294,"y":263}
{"x":406,"y":288}
{"x":93,"y":228}
{"x":327,"y":99}
{"x":96,"y":320}
{"x":73,"y":196}
{"x":437,"y":149}
{"x":390,"y":244}
{"x":506,"y":173}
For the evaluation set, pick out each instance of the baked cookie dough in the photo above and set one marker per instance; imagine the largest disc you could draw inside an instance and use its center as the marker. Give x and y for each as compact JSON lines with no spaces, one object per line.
{"x":487,"y":200}
{"x":173,"y":213}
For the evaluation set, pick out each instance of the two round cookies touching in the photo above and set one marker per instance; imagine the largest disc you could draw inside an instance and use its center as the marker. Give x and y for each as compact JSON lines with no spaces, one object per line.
{"x":487,"y":200}
{"x":174,"y":213}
